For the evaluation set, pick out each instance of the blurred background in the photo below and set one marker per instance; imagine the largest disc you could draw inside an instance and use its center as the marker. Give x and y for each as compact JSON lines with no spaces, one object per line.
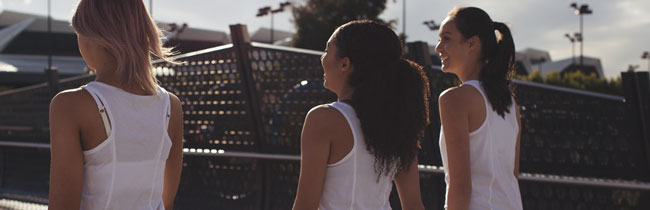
{"x":252,"y":70}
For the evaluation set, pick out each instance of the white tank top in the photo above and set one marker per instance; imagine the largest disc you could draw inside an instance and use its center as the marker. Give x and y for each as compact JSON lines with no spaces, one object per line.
{"x":126,"y":170}
{"x":351,"y":183}
{"x":492,"y":159}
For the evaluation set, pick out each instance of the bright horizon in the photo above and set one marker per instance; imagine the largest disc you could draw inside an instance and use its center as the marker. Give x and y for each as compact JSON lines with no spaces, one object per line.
{"x":616,"y":32}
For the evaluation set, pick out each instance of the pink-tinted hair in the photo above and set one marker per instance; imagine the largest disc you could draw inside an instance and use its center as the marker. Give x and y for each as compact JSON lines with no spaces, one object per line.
{"x":125,"y":29}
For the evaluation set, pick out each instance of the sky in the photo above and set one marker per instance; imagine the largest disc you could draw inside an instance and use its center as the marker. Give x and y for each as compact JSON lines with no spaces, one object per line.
{"x":617,"y":32}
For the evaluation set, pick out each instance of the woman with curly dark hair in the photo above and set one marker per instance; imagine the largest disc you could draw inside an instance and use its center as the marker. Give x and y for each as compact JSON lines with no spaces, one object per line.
{"x":353,"y":149}
{"x":479,"y":139}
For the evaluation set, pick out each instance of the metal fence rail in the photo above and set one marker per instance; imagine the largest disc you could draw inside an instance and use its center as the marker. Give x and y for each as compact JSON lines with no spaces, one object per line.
{"x":571,"y":90}
{"x":219,"y":153}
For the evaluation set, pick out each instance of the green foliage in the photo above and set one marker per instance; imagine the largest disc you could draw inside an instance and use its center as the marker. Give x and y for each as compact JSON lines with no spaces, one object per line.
{"x":534,"y":76}
{"x":554,"y":78}
{"x":577,"y":80}
{"x":317,"y":19}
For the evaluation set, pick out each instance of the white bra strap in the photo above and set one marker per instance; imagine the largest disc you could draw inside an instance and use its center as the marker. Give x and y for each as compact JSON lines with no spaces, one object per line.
{"x":107,"y":127}
{"x":101,"y":108}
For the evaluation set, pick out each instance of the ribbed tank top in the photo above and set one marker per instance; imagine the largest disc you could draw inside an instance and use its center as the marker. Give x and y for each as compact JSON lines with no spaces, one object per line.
{"x":351,"y":183}
{"x":492,"y":159}
{"x":126,"y":170}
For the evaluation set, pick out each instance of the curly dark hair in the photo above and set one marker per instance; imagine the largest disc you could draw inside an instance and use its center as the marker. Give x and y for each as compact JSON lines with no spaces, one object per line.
{"x":499,"y":54}
{"x":390,"y":93}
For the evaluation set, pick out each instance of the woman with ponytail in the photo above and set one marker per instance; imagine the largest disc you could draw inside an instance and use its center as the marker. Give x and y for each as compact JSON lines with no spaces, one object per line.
{"x":353,"y":149}
{"x":116,"y":143}
{"x":479,"y":139}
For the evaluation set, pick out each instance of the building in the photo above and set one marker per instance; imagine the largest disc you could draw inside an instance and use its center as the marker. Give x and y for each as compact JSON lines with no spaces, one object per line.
{"x":280,"y":37}
{"x":530,"y":60}
{"x":187,"y":39}
{"x":526,"y":60}
{"x":25,"y":45}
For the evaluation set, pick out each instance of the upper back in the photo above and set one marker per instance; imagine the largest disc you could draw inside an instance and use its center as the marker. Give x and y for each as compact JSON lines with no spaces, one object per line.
{"x":136,"y":122}
{"x":504,"y":127}
{"x":126,"y":169}
{"x":492,"y":148}
{"x":492,"y":134}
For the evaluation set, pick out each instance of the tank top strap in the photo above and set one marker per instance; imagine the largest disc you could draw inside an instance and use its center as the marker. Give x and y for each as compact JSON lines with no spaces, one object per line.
{"x":355,"y":126}
{"x":350,"y":116}
{"x":346,"y":109}
{"x":166,"y":104}
{"x":100,"y":105}
{"x":477,"y":85}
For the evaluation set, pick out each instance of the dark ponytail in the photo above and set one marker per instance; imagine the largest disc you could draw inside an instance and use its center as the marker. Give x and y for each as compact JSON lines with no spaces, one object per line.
{"x":390,"y":93}
{"x":496,"y":74}
{"x":498,"y":54}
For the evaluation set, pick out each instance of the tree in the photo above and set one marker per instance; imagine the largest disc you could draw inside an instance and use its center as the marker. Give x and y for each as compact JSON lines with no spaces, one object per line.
{"x":534,"y":76}
{"x":317,"y":19}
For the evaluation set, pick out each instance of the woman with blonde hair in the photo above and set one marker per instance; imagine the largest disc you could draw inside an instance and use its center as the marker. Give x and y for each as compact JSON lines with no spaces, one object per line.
{"x":116,"y":143}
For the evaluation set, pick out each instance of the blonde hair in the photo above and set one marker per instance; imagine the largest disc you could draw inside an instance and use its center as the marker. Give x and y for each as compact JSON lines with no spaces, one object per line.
{"x":125,"y":29}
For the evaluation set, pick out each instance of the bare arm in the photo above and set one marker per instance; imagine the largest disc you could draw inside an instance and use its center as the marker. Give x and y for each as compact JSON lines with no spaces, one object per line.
{"x":408,"y":187}
{"x":516,"y":172}
{"x":66,"y":166}
{"x":174,"y":163}
{"x":314,"y":153}
{"x":454,"y":118}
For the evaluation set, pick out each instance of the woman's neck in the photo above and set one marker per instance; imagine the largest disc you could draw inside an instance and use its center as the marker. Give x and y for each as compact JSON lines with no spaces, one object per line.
{"x":110,"y":77}
{"x":470,"y":72}
{"x":345,"y":94}
{"x":107,"y":76}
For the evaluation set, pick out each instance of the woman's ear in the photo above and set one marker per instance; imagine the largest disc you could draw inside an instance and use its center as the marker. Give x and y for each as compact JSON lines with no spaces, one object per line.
{"x":346,"y":65}
{"x":474,"y":43}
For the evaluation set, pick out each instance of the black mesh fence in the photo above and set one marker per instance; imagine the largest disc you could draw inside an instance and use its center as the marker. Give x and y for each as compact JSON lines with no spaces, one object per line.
{"x":220,"y":183}
{"x":24,"y":111}
{"x":209,"y":85}
{"x":575,"y":133}
{"x":288,"y":82}
{"x":540,"y":196}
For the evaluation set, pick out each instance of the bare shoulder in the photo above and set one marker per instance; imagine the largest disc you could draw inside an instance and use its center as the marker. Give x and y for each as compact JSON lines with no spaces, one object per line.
{"x":459,"y":96}
{"x":324,"y":114}
{"x":175,"y":102}
{"x":325,"y":119}
{"x":173,"y":98}
{"x":322,"y":110}
{"x":72,"y":109}
{"x":76,"y":99}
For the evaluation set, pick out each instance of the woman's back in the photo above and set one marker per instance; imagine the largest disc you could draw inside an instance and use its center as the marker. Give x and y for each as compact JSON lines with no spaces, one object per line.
{"x":351,"y":183}
{"x":492,"y":150}
{"x":127,"y":152}
{"x":126,"y":170}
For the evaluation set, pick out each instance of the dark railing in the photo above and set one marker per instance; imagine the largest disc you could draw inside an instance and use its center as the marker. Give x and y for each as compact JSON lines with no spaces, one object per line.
{"x":244,"y":105}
